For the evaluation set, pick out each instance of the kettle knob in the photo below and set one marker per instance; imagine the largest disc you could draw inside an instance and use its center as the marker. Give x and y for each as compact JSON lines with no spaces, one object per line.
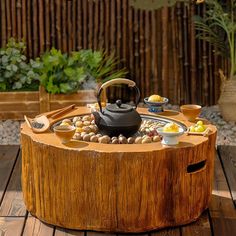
{"x":118,"y":103}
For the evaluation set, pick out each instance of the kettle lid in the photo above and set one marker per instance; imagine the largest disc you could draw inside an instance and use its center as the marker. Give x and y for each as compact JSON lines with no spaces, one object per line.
{"x":119,"y":107}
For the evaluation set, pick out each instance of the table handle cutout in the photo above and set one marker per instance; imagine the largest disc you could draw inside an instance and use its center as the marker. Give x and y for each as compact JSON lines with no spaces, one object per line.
{"x":196,"y":166}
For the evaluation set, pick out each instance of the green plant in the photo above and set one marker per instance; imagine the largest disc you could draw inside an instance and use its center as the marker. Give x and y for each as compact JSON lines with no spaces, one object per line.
{"x":218,"y":27}
{"x":99,"y":65}
{"x":63,"y":73}
{"x":58,"y":73}
{"x":15,"y":72}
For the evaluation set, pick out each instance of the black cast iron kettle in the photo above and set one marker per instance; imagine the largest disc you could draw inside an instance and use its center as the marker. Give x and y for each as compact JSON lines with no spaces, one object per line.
{"x":118,"y":118}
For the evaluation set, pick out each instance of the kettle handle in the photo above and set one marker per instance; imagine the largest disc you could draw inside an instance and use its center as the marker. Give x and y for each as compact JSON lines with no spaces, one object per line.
{"x":130,"y":83}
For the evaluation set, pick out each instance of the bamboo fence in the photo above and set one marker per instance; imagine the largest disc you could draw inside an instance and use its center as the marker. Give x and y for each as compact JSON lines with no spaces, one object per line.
{"x":158,"y":47}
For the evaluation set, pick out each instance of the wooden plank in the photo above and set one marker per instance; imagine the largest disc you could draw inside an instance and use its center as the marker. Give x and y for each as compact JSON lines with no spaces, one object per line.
{"x":19,"y":106}
{"x":167,"y":232}
{"x":16,"y":115}
{"x":228,"y":158}
{"x":19,"y":96}
{"x":44,"y":104}
{"x":35,"y":227}
{"x":11,"y":226}
{"x":8,"y":154}
{"x":67,"y":232}
{"x":200,"y":227}
{"x":12,"y":204}
{"x":222,"y":211}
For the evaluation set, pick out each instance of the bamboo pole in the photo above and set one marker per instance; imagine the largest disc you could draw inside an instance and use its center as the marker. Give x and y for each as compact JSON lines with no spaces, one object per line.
{"x":85,"y":23}
{"x":112,"y":36}
{"x":58,"y":24}
{"x":118,"y":39}
{"x":8,"y":18}
{"x":3,"y":23}
{"x":186,"y":80}
{"x":165,"y":65}
{"x":159,"y":51}
{"x":18,"y":16}
{"x":80,"y":26}
{"x":101,"y":25}
{"x":13,"y":19}
{"x":35,"y":28}
{"x":205,"y":71}
{"x":74,"y":24}
{"x":141,"y":52}
{"x":90,"y":24}
{"x":24,"y":21}
{"x":29,"y":30}
{"x":136,"y":48}
{"x":193,"y":89}
{"x":69,"y":27}
{"x":176,"y":65}
{"x":124,"y":31}
{"x":96,"y":24}
{"x":42,"y":29}
{"x":200,"y":66}
{"x":52,"y":23}
{"x":107,"y":25}
{"x":180,"y":51}
{"x":64,"y":19}
{"x":47,"y":25}
{"x":147,"y":76}
{"x":154,"y":52}
{"x":131,"y":39}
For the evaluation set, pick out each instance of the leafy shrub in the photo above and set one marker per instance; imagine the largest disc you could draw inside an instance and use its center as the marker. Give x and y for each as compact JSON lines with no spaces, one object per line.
{"x":63,"y":73}
{"x":15,"y":72}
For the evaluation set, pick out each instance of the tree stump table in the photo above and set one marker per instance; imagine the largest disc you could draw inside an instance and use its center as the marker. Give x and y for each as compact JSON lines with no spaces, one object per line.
{"x":117,"y":187}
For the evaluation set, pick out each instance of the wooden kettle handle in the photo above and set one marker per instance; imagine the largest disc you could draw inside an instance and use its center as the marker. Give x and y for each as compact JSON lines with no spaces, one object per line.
{"x":130,"y":83}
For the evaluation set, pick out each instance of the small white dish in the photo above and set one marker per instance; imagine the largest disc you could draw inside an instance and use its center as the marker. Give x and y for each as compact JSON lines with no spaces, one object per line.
{"x":170,"y":138}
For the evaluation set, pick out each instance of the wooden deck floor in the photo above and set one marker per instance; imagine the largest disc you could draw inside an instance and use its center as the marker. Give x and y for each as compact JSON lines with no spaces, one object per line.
{"x":219,"y":219}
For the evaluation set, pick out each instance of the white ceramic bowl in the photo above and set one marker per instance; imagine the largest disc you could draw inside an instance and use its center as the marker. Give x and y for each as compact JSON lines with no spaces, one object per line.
{"x":170,"y":138}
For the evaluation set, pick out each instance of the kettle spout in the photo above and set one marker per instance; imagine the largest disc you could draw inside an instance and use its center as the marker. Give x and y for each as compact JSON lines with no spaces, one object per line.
{"x":97,"y":117}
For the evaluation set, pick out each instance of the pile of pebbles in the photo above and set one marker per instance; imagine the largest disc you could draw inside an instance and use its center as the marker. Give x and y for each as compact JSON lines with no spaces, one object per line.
{"x":87,"y":130}
{"x":10,"y":130}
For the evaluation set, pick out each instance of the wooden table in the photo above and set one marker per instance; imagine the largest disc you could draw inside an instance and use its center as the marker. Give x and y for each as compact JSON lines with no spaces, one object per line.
{"x":117,"y":188}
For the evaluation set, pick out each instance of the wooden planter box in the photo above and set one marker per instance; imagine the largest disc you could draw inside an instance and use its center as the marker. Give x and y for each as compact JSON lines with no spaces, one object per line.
{"x":14,"y":105}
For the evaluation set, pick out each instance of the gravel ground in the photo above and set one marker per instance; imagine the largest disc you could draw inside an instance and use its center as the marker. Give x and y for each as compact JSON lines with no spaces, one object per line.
{"x":10,"y":130}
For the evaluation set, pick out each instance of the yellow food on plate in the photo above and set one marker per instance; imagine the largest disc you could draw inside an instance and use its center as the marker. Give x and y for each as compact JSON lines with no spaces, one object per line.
{"x":198,"y":128}
{"x":171,"y":127}
{"x":64,"y":124}
{"x":155,"y":98}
